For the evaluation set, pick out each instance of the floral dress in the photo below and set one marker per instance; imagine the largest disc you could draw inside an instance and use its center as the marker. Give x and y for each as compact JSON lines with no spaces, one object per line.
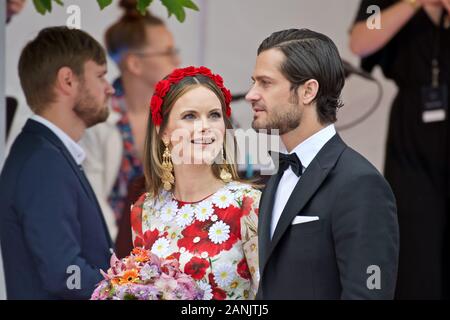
{"x":214,"y":240}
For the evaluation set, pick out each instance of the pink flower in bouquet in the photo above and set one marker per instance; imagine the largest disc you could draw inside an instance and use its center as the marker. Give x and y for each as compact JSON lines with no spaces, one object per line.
{"x":144,"y":276}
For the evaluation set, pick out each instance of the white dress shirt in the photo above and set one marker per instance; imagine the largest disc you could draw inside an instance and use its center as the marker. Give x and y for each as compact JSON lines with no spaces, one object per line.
{"x":74,"y":148}
{"x":306,"y":152}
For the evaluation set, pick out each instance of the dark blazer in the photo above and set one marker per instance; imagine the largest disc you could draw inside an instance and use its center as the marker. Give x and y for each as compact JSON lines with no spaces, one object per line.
{"x":49,"y":221}
{"x":331,"y":258}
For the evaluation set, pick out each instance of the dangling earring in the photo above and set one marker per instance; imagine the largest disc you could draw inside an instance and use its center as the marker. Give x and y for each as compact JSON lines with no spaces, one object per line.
{"x":167,"y":177}
{"x":225,"y":175}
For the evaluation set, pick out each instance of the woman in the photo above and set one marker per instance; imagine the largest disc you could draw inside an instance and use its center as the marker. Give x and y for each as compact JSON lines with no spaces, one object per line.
{"x":143,"y":49}
{"x":196,"y":209}
{"x":413,"y":34}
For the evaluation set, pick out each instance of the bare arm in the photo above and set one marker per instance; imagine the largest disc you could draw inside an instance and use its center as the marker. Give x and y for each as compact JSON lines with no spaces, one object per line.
{"x":365,"y":41}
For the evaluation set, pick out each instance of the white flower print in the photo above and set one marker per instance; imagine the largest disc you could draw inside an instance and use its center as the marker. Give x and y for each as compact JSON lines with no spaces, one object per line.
{"x":185,"y":215}
{"x":160,"y":247}
{"x":203,"y":211}
{"x":224,"y":275}
{"x":223,"y":199}
{"x":206,"y":287}
{"x":219,"y":232}
{"x":169,"y":211}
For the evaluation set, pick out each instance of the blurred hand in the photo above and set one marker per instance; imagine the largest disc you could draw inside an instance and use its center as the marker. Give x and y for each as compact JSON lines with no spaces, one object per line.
{"x":436,"y":3}
{"x":13,"y":7}
{"x":446,"y":5}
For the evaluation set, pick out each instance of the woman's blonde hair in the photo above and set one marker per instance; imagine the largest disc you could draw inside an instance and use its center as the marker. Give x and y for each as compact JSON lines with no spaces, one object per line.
{"x":154,"y":145}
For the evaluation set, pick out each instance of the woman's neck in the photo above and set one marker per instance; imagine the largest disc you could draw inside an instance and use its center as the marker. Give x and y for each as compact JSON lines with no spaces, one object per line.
{"x":195,"y":182}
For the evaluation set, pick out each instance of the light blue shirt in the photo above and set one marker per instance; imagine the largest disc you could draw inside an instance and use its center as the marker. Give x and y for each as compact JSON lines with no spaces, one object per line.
{"x":306,"y":152}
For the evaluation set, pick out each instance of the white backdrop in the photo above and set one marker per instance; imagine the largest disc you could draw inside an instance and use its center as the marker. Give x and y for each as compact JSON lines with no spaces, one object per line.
{"x":224,"y":35}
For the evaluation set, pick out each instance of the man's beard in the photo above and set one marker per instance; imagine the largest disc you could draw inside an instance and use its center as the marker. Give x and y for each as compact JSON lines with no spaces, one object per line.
{"x":88,"y":110}
{"x":281,"y":120}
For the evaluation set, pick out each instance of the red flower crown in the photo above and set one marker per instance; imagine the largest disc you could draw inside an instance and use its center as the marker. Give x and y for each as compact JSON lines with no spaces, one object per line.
{"x":163,"y":86}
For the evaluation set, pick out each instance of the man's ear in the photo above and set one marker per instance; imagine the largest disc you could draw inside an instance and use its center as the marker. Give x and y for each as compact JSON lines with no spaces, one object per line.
{"x":309,"y":91}
{"x":66,"y":81}
{"x":133,"y":64}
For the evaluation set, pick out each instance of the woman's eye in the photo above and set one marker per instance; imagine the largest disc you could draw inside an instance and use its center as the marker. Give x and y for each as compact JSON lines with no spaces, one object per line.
{"x":188,"y":116}
{"x":216,"y":115}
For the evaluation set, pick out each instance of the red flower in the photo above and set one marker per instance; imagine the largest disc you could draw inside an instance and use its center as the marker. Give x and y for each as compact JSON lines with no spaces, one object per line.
{"x":177,"y":75}
{"x":162,"y":88}
{"x":136,"y":215}
{"x":196,"y":267}
{"x":219,"y":294}
{"x":218,"y":80}
{"x":242,"y":269}
{"x":201,"y":229}
{"x":148,"y":239}
{"x":174,"y":256}
{"x":247,"y":203}
{"x":205,"y":71}
{"x":155,"y":107}
{"x":190,"y":71}
{"x":232,"y":217}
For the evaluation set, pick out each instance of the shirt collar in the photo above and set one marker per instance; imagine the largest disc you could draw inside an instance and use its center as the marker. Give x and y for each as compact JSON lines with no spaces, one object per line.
{"x":74,"y":148}
{"x":308,"y":149}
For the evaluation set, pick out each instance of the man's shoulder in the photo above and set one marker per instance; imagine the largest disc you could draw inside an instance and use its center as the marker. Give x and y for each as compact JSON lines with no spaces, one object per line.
{"x":351,"y":162}
{"x":353,"y":170}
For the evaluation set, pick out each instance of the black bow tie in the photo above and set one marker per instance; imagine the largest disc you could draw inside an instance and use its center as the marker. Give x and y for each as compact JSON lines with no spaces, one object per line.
{"x":292,"y":160}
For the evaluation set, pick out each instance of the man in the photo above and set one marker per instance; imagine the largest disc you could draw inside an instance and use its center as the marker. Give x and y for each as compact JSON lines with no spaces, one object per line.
{"x":53,"y":236}
{"x":327,"y":220}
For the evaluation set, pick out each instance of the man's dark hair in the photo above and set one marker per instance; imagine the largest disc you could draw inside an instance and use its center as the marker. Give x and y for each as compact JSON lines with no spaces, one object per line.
{"x":52,"y":49}
{"x":311,"y":55}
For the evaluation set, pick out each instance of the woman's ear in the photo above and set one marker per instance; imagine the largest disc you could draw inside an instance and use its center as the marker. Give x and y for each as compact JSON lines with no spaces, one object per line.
{"x":309,"y":91}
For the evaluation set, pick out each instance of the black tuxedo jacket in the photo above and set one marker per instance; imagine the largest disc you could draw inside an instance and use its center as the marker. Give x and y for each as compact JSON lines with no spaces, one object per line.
{"x":351,"y":252}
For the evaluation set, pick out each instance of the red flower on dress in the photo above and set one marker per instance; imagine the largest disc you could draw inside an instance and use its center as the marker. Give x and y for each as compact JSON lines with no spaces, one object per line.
{"x":148,"y":239}
{"x":196,"y":267}
{"x":136,"y":215}
{"x":196,"y":239}
{"x":219,"y":294}
{"x":232,"y":217}
{"x":242,"y":269}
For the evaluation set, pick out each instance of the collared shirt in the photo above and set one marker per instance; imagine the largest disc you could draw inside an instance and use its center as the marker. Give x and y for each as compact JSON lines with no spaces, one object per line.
{"x":74,"y":148}
{"x":306,"y":152}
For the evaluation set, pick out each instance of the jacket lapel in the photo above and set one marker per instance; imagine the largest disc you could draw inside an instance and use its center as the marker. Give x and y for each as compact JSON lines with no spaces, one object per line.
{"x":306,"y":187}
{"x":265,"y":218}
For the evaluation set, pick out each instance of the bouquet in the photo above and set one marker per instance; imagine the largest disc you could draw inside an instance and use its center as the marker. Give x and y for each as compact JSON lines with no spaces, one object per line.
{"x":144,"y":276}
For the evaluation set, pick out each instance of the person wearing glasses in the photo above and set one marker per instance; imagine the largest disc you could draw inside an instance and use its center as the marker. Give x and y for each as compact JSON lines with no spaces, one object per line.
{"x":143,"y":49}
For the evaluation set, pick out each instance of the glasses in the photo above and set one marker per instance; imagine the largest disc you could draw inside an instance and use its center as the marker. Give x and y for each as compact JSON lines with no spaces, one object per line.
{"x":168,"y":53}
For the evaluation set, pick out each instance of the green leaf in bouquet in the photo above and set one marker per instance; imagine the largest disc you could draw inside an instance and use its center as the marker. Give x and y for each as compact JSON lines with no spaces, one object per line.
{"x":112,"y":292}
{"x":142,"y":5}
{"x":104,"y":3}
{"x":128,"y":296}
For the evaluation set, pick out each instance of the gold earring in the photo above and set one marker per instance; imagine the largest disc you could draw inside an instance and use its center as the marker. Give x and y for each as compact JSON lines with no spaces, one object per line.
{"x":167,"y":177}
{"x":225,"y":175}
